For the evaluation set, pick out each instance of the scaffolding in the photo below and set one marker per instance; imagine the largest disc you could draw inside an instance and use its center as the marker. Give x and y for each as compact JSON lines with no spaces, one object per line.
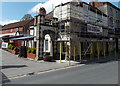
{"x":91,"y":48}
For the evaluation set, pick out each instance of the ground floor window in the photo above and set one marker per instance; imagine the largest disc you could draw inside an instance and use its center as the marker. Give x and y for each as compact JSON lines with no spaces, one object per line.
{"x":46,"y":44}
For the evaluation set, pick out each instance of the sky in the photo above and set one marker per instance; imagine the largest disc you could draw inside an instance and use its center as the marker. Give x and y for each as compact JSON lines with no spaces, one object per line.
{"x":14,"y":10}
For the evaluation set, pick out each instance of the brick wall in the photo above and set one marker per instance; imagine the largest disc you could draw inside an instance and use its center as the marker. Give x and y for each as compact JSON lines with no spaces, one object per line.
{"x":17,"y":43}
{"x":20,"y":28}
{"x":96,"y":4}
{"x":13,"y":30}
{"x":35,"y":20}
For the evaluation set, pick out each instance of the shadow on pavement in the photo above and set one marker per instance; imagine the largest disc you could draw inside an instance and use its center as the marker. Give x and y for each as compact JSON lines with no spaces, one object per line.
{"x":4,"y":79}
{"x":13,"y":66}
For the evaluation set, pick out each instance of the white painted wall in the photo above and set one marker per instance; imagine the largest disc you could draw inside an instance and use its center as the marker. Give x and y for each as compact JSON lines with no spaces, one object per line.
{"x":31,"y":32}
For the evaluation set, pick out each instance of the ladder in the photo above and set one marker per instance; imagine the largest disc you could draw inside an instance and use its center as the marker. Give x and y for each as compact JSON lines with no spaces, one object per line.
{"x":87,"y":50}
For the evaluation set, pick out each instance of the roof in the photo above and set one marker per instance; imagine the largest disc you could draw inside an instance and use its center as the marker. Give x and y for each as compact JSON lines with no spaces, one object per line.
{"x":112,"y":5}
{"x":108,"y":3}
{"x":92,"y":8}
{"x":19,"y":24}
{"x":49,"y":15}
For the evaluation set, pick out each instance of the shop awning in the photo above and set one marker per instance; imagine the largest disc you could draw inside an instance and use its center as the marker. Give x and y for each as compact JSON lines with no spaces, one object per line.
{"x":23,"y":38}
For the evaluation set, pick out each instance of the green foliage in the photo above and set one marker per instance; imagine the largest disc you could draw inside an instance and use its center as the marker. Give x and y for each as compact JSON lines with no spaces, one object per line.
{"x":15,"y":48}
{"x":33,"y":50}
{"x":29,"y":51}
{"x":26,"y":17}
{"x":12,"y":47}
{"x":27,"y":48}
{"x":9,"y":46}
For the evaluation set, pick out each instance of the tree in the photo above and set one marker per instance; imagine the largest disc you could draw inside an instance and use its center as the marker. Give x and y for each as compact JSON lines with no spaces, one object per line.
{"x":26,"y":17}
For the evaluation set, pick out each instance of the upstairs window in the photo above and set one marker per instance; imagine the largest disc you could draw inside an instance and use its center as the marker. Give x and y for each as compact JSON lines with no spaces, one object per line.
{"x":111,"y":12}
{"x":62,"y":27}
{"x":32,"y":31}
{"x":10,"y":30}
{"x":16,"y":29}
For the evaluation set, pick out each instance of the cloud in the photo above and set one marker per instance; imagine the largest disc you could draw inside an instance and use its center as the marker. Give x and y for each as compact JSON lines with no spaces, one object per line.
{"x":50,"y":4}
{"x":7,"y":22}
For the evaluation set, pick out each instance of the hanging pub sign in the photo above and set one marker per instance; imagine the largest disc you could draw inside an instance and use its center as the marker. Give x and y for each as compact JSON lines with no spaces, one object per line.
{"x":94,"y":29}
{"x":4,"y":45}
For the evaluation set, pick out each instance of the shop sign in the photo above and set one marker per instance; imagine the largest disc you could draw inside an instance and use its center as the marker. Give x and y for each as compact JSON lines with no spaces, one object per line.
{"x":94,"y":29}
{"x":4,"y":45}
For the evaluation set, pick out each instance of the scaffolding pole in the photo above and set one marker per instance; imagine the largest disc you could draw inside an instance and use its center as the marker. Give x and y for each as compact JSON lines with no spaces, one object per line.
{"x":80,"y":52}
{"x":69,"y":52}
{"x":104,"y":49}
{"x":91,"y":51}
{"x":60,"y":52}
{"x":66,"y":52}
{"x":98,"y":50}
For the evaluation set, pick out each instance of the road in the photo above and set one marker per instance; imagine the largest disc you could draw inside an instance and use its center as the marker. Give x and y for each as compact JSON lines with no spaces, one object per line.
{"x":96,"y":73}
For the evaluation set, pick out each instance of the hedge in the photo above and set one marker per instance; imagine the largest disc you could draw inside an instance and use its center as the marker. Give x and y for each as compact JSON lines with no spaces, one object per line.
{"x":31,"y":50}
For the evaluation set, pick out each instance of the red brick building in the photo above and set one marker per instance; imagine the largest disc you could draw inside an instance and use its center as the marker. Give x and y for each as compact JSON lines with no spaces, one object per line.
{"x":16,"y":30}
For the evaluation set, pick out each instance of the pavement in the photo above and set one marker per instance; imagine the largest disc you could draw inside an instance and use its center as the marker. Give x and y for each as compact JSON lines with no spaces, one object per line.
{"x":15,"y":67}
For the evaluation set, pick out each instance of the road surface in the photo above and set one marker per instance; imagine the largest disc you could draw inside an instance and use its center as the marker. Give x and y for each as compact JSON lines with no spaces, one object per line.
{"x":96,"y":73}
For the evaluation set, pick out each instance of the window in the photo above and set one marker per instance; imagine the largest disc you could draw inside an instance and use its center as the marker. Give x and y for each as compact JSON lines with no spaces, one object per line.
{"x":32,"y":31}
{"x":111,"y":21}
{"x":10,"y":30}
{"x":111,"y":12}
{"x":62,"y":27}
{"x":16,"y":29}
{"x":46,"y":44}
{"x":48,"y":23}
